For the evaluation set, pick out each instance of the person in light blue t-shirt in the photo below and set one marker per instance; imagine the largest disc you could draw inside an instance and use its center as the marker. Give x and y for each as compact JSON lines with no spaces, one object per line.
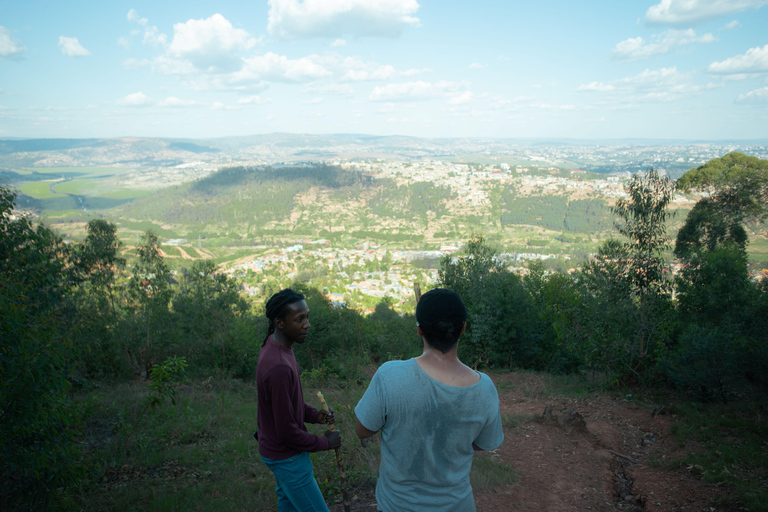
{"x":433,"y":412}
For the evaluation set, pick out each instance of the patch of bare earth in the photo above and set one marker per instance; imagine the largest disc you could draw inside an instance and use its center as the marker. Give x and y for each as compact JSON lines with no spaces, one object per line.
{"x":184,"y":254}
{"x":584,"y":454}
{"x":592,"y":453}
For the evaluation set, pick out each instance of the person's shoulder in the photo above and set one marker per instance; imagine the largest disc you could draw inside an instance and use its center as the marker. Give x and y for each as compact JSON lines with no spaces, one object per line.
{"x":394,"y":367}
{"x":277,"y":368}
{"x":486,"y":383}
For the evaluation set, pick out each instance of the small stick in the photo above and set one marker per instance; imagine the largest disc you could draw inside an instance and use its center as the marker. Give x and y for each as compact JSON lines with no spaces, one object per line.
{"x":630,"y":459}
{"x":339,"y":463}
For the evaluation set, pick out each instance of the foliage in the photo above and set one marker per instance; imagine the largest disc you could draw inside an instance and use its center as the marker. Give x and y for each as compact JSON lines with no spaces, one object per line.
{"x":151,"y":295}
{"x":724,"y":324}
{"x":503,"y":327}
{"x":214,"y":325}
{"x":555,"y":212}
{"x":163,"y":381}
{"x":627,"y":282}
{"x":38,"y":421}
{"x":737,"y":189}
{"x":99,"y":346}
{"x":706,"y":228}
{"x":736,"y":182}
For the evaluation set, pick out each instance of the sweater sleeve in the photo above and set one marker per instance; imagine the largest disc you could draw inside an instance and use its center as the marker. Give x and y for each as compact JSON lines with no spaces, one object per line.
{"x":310,"y":414}
{"x":288,"y":431}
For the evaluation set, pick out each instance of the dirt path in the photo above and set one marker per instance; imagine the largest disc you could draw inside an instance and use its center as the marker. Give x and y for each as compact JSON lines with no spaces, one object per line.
{"x":588,"y":454}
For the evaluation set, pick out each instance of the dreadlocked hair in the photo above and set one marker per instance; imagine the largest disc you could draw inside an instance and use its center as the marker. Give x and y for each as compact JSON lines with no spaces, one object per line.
{"x":277,"y":307}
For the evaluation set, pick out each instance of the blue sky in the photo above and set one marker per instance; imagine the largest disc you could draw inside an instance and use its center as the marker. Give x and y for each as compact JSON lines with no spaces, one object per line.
{"x":666,"y":69}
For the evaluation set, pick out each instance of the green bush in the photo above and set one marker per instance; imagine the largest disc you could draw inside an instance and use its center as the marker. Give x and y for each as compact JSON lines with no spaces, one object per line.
{"x":39,"y":453}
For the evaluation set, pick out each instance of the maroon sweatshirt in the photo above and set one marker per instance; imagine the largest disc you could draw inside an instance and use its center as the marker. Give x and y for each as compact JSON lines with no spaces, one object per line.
{"x":281,"y":408}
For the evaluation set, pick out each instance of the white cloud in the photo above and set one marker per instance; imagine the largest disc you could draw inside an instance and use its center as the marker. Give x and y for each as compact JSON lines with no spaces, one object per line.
{"x":755,"y":60}
{"x":476,"y":65}
{"x":251,"y":100}
{"x":361,"y":71}
{"x":410,"y":91}
{"x":413,"y":72}
{"x":682,"y":12}
{"x":134,"y":16}
{"x":313,"y":101}
{"x":737,"y":77}
{"x":210,"y":43}
{"x":731,"y":25}
{"x":756,"y":96}
{"x":292,"y":19}
{"x":209,"y":54}
{"x":152,"y":34}
{"x":331,"y":88}
{"x":596,"y":86}
{"x":339,"y":43}
{"x":217,"y":105}
{"x":279,"y":68}
{"x":137,"y":99}
{"x":10,"y":47}
{"x":124,"y":42}
{"x":71,"y":47}
{"x":636,"y":48}
{"x":461,"y":98}
{"x":172,"y":101}
{"x":659,"y":85}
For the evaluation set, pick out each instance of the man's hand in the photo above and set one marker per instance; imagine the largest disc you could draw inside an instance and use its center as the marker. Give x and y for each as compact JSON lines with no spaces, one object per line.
{"x":334,"y":439}
{"x":326,"y":418}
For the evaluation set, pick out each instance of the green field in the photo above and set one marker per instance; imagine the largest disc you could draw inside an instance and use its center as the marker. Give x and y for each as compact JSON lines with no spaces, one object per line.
{"x":38,"y":189}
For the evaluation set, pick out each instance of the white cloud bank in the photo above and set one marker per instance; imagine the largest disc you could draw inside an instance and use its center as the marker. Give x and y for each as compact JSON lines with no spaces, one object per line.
{"x":636,"y":48}
{"x":657,"y":85}
{"x":10,"y":47}
{"x":752,"y":97}
{"x":292,"y":19}
{"x":174,"y":102}
{"x":755,"y":60}
{"x":71,"y":47}
{"x":152,"y":34}
{"x":420,"y":91}
{"x":691,"y":12}
{"x":209,"y":43}
{"x":137,"y":99}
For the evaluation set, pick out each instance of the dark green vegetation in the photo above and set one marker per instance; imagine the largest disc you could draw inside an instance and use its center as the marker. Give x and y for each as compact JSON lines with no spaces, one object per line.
{"x":76,"y":316}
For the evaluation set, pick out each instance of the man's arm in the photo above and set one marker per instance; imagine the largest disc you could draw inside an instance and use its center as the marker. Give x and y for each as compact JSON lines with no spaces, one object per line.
{"x":288,"y":431}
{"x":361,"y":431}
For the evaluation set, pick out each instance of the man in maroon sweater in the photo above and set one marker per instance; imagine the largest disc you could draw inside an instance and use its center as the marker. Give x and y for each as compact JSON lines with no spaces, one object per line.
{"x":284,"y":443}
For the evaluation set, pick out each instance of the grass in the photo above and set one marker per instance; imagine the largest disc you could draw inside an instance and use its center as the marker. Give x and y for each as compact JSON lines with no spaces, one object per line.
{"x":489,"y":471}
{"x":38,"y":189}
{"x":734,"y":448}
{"x":567,"y":385}
{"x":170,"y":250}
{"x":200,"y":454}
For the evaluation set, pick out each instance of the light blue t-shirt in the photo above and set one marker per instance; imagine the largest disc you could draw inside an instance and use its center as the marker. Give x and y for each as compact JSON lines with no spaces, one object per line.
{"x":427,"y":431}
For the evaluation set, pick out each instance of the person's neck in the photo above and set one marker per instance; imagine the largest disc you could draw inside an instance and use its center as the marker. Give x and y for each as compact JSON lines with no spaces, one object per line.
{"x":282,"y":340}
{"x":450,"y":358}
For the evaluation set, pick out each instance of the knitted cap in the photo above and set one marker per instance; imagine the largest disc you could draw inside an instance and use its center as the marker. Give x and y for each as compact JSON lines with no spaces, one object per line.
{"x":440,"y":305}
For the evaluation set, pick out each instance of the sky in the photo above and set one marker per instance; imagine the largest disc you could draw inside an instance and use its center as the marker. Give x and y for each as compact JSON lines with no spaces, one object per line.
{"x":662,"y":69}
